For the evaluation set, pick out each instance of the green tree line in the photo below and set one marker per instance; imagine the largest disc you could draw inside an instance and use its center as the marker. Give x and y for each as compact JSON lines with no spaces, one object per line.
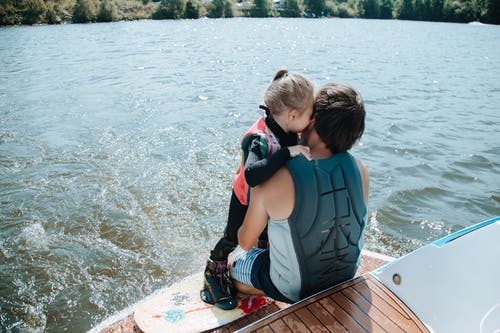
{"x":14,"y":12}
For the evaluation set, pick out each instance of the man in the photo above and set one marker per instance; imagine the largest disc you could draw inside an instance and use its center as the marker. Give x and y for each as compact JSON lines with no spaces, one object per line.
{"x":315,"y":210}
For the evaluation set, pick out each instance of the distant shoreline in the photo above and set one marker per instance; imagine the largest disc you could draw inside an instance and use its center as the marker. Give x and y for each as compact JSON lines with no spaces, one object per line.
{"x":42,"y":12}
{"x":150,"y":19}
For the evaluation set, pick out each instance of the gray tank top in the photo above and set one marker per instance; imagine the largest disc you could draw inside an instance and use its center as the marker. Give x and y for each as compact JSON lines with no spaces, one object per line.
{"x":319,"y":245}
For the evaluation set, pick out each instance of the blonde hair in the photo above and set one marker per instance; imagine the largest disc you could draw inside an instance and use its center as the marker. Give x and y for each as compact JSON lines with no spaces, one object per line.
{"x":288,"y":91}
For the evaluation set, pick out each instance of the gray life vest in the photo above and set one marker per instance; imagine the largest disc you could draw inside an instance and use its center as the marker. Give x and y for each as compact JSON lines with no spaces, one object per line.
{"x":327,"y":221}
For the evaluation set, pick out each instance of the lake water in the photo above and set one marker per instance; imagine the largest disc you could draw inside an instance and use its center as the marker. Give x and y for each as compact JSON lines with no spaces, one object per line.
{"x":118,"y":143}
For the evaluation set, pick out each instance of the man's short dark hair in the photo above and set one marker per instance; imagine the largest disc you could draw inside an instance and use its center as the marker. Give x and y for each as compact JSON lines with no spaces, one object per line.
{"x":339,"y":115}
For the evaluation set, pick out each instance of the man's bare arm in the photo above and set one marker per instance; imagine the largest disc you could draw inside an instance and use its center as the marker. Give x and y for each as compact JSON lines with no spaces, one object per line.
{"x":255,"y":220}
{"x":365,"y":179}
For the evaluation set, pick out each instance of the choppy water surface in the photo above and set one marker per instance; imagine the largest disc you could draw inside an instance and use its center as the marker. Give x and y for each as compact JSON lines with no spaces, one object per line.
{"x":118,"y":143}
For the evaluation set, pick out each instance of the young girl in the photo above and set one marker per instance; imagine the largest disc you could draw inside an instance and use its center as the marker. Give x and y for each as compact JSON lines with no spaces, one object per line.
{"x":266,"y":146}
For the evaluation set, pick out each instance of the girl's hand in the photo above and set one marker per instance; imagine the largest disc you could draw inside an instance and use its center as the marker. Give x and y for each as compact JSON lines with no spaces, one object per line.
{"x":300,"y":149}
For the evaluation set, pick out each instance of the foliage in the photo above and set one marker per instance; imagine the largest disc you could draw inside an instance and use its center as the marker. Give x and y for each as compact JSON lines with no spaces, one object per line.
{"x":216,"y":9}
{"x":458,"y":11}
{"x":221,"y":8}
{"x":53,"y":13}
{"x":261,"y":8}
{"x":169,"y":9}
{"x":8,"y":13}
{"x":370,"y":9}
{"x":106,"y":12}
{"x":447,"y":10}
{"x":84,"y":11}
{"x":228,"y":8}
{"x":315,"y":8}
{"x":430,"y":10}
{"x":343,"y":10}
{"x":403,"y":9}
{"x":33,"y":11}
{"x":193,"y":9}
{"x":14,"y":12}
{"x":133,"y":9}
{"x":490,"y":11}
{"x":292,"y":8}
{"x":385,"y":9}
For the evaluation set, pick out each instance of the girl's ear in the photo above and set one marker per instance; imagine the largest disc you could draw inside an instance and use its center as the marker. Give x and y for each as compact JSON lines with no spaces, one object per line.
{"x":292,"y":114}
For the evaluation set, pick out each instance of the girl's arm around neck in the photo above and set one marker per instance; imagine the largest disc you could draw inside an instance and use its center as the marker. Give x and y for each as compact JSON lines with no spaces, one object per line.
{"x":259,"y":167}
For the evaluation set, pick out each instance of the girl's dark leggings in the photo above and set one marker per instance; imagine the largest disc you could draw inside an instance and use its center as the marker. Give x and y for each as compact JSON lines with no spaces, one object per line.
{"x":235,"y":218}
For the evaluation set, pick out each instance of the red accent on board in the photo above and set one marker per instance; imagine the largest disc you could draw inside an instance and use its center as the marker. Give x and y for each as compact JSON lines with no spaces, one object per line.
{"x":253,"y":303}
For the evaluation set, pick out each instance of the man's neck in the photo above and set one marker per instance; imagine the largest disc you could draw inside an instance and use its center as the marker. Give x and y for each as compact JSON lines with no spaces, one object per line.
{"x":317,"y":147}
{"x":320,"y":152}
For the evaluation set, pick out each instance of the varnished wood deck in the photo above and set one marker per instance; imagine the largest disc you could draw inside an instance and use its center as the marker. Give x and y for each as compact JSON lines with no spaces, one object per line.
{"x":361,"y":305}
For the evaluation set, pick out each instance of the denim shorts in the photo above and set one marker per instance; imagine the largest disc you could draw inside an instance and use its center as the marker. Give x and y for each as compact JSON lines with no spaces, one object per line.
{"x":252,"y":268}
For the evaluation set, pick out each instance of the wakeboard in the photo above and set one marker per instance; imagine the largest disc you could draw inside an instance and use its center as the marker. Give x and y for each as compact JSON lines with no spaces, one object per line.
{"x":179,"y":308}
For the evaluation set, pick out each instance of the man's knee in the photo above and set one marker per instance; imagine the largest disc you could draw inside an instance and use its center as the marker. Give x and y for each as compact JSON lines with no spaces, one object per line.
{"x":246,"y":289}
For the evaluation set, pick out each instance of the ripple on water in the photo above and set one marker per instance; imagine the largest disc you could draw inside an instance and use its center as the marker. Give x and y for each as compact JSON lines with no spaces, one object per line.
{"x":473,"y":162}
{"x":458,"y":175}
{"x":404,"y":215}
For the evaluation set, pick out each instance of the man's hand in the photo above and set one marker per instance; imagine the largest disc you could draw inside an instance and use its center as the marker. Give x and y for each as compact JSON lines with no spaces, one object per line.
{"x":233,"y":255}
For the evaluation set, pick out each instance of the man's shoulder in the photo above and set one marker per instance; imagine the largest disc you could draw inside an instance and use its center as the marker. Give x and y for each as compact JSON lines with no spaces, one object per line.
{"x":278,"y":194}
{"x":278,"y":184}
{"x":280,"y":177}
